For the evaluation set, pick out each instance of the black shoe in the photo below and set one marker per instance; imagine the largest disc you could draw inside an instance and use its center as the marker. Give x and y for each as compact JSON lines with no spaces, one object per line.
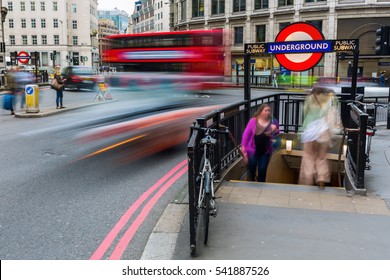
{"x":62,"y":107}
{"x":12,"y":113}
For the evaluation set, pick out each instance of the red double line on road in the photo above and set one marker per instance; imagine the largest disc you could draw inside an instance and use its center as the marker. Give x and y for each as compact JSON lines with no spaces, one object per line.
{"x":166,"y":183}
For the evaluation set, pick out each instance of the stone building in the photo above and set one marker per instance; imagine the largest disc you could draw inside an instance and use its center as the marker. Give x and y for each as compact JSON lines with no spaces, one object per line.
{"x":66,"y":28}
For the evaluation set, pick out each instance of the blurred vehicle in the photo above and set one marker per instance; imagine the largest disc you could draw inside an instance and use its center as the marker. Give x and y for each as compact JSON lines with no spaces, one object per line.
{"x":143,"y":136}
{"x":183,"y":60}
{"x":79,"y":77}
{"x":369,"y":89}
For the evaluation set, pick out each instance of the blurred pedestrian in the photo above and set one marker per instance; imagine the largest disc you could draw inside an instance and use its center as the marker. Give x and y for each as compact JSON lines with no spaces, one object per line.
{"x":23,"y":78}
{"x":9,"y":97}
{"x":382,"y":79}
{"x":275,"y":79}
{"x":257,"y":141}
{"x":319,"y":125}
{"x":60,"y":88}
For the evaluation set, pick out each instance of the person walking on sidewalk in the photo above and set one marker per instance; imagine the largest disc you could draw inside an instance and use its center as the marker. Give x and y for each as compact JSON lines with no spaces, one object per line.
{"x":275,"y":79}
{"x":319,"y":125}
{"x":257,"y":141}
{"x":59,"y":90}
{"x":9,"y":97}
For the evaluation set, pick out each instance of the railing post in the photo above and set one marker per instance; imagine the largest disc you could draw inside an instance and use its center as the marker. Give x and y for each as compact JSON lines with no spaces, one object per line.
{"x":361,"y":151}
{"x":191,"y":190}
{"x":247,"y":86}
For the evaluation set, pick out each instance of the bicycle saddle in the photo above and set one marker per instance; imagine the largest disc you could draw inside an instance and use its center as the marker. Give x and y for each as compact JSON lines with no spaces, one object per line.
{"x":208,"y":140}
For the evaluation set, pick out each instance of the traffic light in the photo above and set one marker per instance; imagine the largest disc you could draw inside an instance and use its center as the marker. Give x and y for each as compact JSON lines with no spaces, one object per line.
{"x":382,"y":41}
{"x":34,"y":57}
{"x":51,"y":56}
{"x":13,"y":56}
{"x":54,"y":54}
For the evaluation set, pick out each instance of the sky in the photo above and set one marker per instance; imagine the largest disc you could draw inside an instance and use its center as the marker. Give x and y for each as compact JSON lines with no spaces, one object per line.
{"x":125,"y":5}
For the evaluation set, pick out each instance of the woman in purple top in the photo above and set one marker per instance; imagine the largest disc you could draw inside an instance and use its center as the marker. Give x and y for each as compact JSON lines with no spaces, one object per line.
{"x":257,"y":142}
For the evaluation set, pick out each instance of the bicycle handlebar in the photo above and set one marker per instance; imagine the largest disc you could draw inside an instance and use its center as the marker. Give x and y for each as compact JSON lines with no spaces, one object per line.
{"x":211,"y":130}
{"x":226,"y":131}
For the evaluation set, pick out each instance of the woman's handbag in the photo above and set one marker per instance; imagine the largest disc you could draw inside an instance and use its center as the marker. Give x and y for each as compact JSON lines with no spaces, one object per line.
{"x":55,"y":85}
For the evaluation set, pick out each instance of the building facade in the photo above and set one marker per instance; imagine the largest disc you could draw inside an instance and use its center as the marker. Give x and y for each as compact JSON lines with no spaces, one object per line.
{"x":65,"y":29}
{"x":251,"y":21}
{"x":143,"y":16}
{"x":106,"y":27}
{"x":120,"y":18}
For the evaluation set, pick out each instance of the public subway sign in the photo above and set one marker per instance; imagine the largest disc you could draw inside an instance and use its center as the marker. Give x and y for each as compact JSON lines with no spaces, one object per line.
{"x":312,"y":46}
{"x":300,"y":46}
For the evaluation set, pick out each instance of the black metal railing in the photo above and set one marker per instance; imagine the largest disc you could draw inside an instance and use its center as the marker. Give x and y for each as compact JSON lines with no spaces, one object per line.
{"x":288,"y":109}
{"x":356,"y":153}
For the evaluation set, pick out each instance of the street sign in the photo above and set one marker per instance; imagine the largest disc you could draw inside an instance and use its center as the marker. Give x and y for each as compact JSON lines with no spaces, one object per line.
{"x":300,"y":61}
{"x":23,"y":57}
{"x":29,"y":90}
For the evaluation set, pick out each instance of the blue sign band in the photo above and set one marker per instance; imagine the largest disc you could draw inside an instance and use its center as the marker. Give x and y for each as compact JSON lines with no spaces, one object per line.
{"x":300,"y":47}
{"x":29,"y":90}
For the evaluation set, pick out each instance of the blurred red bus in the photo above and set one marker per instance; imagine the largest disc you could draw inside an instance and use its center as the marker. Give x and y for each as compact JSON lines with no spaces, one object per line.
{"x":190,"y":59}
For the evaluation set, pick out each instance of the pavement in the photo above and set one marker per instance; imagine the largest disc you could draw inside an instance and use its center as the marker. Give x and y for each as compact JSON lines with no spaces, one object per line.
{"x":273,"y":221}
{"x":47,"y":106}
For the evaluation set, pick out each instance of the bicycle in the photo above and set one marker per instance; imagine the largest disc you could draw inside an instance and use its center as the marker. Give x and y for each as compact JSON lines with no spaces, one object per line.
{"x":206,"y":203}
{"x":370,"y":109}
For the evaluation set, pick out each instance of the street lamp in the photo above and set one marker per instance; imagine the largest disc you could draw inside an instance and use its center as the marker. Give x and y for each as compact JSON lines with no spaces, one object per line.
{"x":4,"y":12}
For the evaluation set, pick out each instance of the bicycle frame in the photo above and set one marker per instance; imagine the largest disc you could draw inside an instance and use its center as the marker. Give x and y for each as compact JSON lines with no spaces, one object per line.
{"x":206,"y":167}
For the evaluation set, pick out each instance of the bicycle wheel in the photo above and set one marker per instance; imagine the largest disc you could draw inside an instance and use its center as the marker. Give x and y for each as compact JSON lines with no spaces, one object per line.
{"x":206,"y":207}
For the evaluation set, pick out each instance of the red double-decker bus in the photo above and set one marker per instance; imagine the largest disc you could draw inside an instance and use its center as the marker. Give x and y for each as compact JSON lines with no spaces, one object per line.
{"x":190,"y":59}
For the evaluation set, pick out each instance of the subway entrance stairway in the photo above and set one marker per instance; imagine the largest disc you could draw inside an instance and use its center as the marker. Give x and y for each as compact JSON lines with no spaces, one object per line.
{"x":279,"y":221}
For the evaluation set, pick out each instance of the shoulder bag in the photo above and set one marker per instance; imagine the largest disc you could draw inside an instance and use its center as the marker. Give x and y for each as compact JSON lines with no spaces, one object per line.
{"x":55,"y":85}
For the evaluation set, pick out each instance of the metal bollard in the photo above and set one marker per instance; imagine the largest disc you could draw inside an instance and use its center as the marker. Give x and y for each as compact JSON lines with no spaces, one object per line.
{"x":32,"y":98}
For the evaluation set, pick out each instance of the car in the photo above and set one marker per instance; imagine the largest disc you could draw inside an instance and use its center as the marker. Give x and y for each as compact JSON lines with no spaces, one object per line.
{"x":79,"y":77}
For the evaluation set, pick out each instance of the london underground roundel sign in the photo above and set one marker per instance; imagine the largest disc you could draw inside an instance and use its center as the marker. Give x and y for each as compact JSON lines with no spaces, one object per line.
{"x":23,"y":57}
{"x":299,"y":31}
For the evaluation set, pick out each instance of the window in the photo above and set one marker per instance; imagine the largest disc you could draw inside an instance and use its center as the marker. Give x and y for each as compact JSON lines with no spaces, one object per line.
{"x":75,"y":40}
{"x":217,"y":7}
{"x":238,"y":5}
{"x":238,"y":35}
{"x":316,"y":23}
{"x":43,"y":23}
{"x":283,"y":25}
{"x":260,"y":33}
{"x":55,"y":6}
{"x":197,"y":8}
{"x":33,"y":23}
{"x":23,"y":6}
{"x":74,"y":24}
{"x":43,"y":6}
{"x":261,"y":4}
{"x":183,"y":14}
{"x":74,"y":8}
{"x":10,"y":6}
{"x":34,"y":39}
{"x":56,"y":39}
{"x":44,"y":39}
{"x":12,"y":39}
{"x":55,"y":22}
{"x":24,"y":24}
{"x":282,"y":3}
{"x":24,"y":39}
{"x":10,"y":23}
{"x":32,"y":4}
